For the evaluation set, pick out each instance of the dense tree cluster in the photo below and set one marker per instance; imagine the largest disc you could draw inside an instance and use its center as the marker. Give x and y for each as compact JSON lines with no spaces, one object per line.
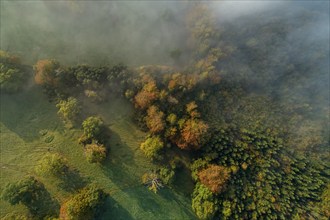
{"x":265,"y":182}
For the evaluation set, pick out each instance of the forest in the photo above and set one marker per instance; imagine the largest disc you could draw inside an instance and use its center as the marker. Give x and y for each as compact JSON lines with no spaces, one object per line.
{"x":179,"y":110}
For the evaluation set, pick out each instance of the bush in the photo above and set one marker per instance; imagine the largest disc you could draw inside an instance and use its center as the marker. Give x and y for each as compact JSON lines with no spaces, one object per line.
{"x":52,"y":164}
{"x":84,"y":205}
{"x":152,"y":146}
{"x":93,"y":127}
{"x":95,"y":153}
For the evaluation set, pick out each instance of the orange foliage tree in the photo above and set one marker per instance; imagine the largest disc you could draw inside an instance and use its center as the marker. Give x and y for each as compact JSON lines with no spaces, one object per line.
{"x":214,"y":177}
{"x":46,"y":71}
{"x":147,"y":95}
{"x":154,"y":119}
{"x":192,"y":133}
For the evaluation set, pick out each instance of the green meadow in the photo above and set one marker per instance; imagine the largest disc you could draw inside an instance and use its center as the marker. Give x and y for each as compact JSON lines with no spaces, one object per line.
{"x":30,"y":128}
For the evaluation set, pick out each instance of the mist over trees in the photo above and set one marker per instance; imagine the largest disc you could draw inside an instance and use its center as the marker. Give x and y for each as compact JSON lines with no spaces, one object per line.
{"x":236,"y":105}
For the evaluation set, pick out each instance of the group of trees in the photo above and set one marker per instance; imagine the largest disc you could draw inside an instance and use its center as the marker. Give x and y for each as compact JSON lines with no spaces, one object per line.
{"x":86,"y":203}
{"x":13,"y":75}
{"x":242,"y":167}
{"x":94,"y":139}
{"x":251,"y":175}
{"x":247,"y":147}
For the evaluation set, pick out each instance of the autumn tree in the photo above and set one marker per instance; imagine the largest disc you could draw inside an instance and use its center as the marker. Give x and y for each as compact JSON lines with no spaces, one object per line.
{"x":147,"y":95}
{"x":192,"y":133}
{"x":154,"y":119}
{"x":46,"y":72}
{"x":214,"y":177}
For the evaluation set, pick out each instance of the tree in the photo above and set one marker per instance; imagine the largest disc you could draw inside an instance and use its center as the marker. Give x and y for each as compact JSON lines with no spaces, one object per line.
{"x":95,"y":153}
{"x":147,"y":95}
{"x":46,"y":72}
{"x":191,"y":109}
{"x":214,"y":177}
{"x":85,"y":205}
{"x":152,"y":147}
{"x":204,"y":202}
{"x":154,"y":120}
{"x":192,"y":133}
{"x":69,"y":110}
{"x":93,"y":127}
{"x":31,"y":193}
{"x":52,"y":164}
{"x":12,"y":75}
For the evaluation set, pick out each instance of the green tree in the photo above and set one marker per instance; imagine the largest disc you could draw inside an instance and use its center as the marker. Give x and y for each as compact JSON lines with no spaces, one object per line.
{"x":69,"y":110}
{"x":52,"y":164}
{"x":204,"y":203}
{"x":31,"y":193}
{"x":152,"y":147}
{"x":12,"y":75}
{"x":93,"y":127}
{"x":85,"y":205}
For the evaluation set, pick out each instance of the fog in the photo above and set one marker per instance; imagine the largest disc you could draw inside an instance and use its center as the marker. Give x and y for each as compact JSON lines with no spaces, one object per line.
{"x":146,"y":32}
{"x":93,"y":32}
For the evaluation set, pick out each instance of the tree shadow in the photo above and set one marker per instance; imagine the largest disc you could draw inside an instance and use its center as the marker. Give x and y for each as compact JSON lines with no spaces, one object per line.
{"x":115,"y":211}
{"x":72,"y":181}
{"x":43,"y":205}
{"x":26,"y":114}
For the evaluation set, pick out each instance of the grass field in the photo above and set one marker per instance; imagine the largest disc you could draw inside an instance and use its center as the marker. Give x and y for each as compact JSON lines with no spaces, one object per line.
{"x":30,"y":128}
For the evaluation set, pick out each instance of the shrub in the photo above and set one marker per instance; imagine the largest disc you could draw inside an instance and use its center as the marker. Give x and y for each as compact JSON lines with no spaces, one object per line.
{"x":84,"y":205}
{"x":95,"y":153}
{"x":152,"y":146}
{"x":52,"y":164}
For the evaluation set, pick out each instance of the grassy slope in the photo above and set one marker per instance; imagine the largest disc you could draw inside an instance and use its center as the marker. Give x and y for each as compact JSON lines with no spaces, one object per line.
{"x":24,"y":115}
